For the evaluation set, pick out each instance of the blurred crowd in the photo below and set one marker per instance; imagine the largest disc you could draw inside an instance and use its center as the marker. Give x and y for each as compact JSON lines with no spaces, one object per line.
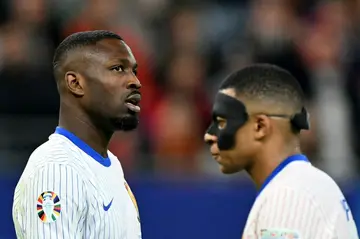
{"x":184,"y":49}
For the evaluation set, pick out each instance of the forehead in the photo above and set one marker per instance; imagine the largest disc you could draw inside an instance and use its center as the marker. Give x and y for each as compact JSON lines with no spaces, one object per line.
{"x":227,"y":105}
{"x":253,"y":105}
{"x":114,"y":50}
{"x":232,"y":93}
{"x":229,"y":92}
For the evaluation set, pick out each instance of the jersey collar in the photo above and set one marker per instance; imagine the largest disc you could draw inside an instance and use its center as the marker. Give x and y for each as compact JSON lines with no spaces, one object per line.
{"x":280,"y":167}
{"x":106,"y":162}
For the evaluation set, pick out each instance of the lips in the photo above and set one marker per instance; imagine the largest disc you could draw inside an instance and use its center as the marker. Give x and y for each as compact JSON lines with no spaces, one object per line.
{"x":215,"y":156}
{"x":132,"y":102}
{"x":134,"y":99}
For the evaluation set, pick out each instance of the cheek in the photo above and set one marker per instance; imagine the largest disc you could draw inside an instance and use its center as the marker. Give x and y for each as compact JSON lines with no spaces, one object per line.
{"x":113,"y":88}
{"x":227,"y":157}
{"x":103,"y":102}
{"x":243,"y":141}
{"x":114,"y":93}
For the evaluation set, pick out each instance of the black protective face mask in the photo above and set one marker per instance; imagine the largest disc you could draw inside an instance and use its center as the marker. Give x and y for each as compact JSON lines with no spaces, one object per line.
{"x":234,"y":111}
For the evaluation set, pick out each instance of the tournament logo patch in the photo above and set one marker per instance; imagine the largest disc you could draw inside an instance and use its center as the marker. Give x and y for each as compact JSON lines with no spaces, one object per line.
{"x":279,"y":234}
{"x":48,"y":207}
{"x":132,"y":198}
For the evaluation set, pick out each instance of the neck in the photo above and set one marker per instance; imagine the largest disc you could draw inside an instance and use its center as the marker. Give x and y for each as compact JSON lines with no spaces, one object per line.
{"x":81,"y":125}
{"x":266,"y":163}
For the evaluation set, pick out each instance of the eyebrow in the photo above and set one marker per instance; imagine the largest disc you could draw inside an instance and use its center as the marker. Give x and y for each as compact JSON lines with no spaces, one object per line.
{"x":219,"y":118}
{"x":127,"y":62}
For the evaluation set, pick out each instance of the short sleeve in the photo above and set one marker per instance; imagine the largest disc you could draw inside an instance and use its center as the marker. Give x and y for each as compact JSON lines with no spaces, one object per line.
{"x":51,"y":204}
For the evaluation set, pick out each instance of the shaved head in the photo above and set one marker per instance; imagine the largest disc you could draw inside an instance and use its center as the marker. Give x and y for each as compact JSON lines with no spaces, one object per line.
{"x":77,"y":49}
{"x":269,"y":84}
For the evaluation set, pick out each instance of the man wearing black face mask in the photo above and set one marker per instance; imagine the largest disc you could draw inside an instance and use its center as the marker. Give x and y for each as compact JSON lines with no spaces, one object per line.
{"x":258,"y":114}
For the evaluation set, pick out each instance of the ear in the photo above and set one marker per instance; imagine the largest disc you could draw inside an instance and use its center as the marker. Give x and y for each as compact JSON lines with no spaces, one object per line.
{"x":262,"y":126}
{"x":74,"y":83}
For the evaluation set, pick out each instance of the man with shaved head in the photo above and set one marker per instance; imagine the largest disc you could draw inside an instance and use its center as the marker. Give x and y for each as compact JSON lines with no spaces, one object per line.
{"x":72,"y":186}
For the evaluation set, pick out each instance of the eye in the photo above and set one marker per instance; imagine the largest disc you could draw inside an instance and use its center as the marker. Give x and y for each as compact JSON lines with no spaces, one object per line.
{"x":221,"y":123}
{"x":118,"y":68}
{"x":135,"y":71}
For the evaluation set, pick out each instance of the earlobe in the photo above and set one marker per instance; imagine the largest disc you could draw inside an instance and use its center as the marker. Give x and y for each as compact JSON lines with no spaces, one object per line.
{"x":74,"y":83}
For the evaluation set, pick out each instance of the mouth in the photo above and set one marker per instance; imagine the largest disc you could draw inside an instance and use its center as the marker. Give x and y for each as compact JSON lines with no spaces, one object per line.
{"x":216,"y":157}
{"x":132,"y":102}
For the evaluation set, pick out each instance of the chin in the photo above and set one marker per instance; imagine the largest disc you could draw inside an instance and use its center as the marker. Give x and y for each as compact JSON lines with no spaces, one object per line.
{"x":126,"y":123}
{"x":229,"y":170}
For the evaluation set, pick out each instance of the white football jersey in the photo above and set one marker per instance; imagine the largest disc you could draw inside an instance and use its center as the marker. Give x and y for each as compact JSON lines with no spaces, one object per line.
{"x":68,"y":190}
{"x":300,"y":201}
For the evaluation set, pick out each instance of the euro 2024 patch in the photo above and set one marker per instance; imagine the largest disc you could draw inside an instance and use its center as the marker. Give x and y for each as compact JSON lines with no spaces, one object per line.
{"x":48,"y":207}
{"x":275,"y":233}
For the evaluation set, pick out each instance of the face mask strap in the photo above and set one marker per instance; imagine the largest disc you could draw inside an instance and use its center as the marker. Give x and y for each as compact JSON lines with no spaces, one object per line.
{"x":301,"y":121}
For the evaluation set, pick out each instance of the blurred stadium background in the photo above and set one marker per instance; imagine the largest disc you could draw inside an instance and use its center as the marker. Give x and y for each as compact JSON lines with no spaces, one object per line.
{"x":184,"y":48}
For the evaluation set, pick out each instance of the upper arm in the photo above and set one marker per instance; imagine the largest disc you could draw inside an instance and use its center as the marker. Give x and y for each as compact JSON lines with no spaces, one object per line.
{"x":52,"y":202}
{"x":289,"y":211}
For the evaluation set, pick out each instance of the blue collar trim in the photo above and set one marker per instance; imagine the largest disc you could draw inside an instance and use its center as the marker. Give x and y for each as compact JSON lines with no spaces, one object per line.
{"x":106,"y":162}
{"x":282,"y":165}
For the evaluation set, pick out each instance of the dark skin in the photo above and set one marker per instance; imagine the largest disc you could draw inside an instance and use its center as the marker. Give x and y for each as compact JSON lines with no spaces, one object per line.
{"x":94,"y":87}
{"x":262,"y":143}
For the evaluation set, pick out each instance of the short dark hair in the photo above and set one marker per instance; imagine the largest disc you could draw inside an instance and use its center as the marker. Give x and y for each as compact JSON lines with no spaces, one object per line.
{"x":78,"y":40}
{"x":266,"y":81}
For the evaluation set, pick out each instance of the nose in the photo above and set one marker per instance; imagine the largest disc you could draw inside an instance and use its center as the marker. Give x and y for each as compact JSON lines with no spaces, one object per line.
{"x":210,"y":139}
{"x":134,"y":84}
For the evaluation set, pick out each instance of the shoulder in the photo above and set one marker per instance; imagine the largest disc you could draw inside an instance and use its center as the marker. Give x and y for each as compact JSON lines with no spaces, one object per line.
{"x":57,"y":152}
{"x":307,"y":189}
{"x":115,"y":162}
{"x":307,"y":180}
{"x":283,"y":196}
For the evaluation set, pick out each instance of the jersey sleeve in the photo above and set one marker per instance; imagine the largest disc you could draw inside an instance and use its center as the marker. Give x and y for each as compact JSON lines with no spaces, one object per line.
{"x":287,"y":212}
{"x":51,"y":204}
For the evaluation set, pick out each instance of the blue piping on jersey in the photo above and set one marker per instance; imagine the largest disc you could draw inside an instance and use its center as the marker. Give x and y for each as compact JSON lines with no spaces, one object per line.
{"x":106,"y":162}
{"x":280,"y":167}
